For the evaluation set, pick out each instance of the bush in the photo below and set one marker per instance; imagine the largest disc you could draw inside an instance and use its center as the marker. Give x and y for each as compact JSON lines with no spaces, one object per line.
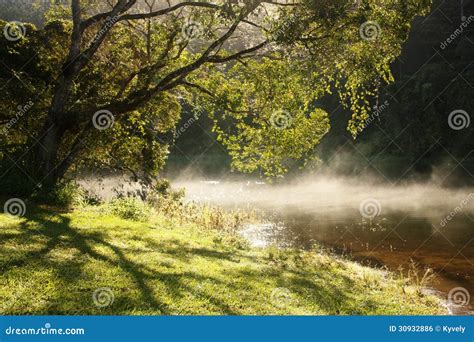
{"x":91,"y":198}
{"x":67,"y":195}
{"x":130,"y":208}
{"x":64,"y":195}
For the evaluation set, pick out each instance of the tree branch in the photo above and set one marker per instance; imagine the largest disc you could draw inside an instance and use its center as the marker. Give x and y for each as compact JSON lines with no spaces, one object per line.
{"x":102,"y":16}
{"x":135,"y":16}
{"x":222,"y":59}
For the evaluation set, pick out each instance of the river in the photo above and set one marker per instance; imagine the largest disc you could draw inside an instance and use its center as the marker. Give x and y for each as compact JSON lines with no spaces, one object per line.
{"x":375,"y":224}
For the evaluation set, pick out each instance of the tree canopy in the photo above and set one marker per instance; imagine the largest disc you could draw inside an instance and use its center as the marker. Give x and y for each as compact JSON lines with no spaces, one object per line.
{"x":102,"y":85}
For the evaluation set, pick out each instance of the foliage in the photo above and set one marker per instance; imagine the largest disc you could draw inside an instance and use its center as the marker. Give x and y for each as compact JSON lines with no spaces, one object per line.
{"x":339,"y":51}
{"x":413,"y":132}
{"x":141,"y":68}
{"x":417,"y":277}
{"x":67,"y":195}
{"x":64,"y":195}
{"x":267,"y":113}
{"x":273,"y":120}
{"x":130,"y":208}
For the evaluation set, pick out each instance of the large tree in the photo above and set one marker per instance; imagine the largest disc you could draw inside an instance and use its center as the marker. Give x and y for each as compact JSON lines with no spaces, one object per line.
{"x":101,"y":84}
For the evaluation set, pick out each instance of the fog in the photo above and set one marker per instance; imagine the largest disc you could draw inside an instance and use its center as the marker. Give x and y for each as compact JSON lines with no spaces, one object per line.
{"x":325,"y":195}
{"x":329,"y":195}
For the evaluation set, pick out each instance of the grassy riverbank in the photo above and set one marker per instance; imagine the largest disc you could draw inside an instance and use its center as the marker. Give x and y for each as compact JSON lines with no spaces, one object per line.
{"x":54,"y":263}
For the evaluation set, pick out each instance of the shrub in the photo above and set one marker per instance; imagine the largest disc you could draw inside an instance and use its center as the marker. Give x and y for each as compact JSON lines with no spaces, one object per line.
{"x":65,"y":195}
{"x":91,"y":198}
{"x":130,"y":208}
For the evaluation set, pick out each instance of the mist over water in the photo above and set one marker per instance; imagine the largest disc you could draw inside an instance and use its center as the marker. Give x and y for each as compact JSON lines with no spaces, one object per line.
{"x":376,"y":223}
{"x":341,"y":196}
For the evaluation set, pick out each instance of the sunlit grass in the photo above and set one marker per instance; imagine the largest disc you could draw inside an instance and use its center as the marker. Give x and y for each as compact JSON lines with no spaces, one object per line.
{"x":52,"y":263}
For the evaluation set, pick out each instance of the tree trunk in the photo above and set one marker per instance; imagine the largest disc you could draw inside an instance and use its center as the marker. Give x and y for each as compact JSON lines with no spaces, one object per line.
{"x":47,"y":153}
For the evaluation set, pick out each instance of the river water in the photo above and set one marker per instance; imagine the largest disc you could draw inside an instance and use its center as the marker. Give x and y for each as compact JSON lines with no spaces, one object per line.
{"x":392,"y":226}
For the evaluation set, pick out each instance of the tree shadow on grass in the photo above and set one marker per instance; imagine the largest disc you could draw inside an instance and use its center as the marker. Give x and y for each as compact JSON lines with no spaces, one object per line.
{"x":55,"y":232}
{"x":185,"y":252}
{"x":61,"y":235}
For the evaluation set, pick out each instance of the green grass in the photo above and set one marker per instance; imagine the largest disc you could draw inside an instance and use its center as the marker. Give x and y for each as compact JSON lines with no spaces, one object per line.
{"x":51,"y":263}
